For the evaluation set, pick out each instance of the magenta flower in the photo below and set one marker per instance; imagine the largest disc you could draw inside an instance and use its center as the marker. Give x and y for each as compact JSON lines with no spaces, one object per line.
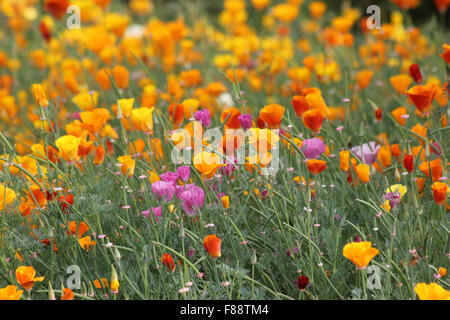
{"x":245,"y":120}
{"x":163,"y":189}
{"x":294,"y":250}
{"x":193,"y":200}
{"x":228,"y":168}
{"x":204,"y":117}
{"x":313,"y":148}
{"x":157,"y":213}
{"x":180,"y":189}
{"x":145,"y":213}
{"x":369,"y":151}
{"x":170,"y":176}
{"x":438,"y":147}
{"x":184,"y":172}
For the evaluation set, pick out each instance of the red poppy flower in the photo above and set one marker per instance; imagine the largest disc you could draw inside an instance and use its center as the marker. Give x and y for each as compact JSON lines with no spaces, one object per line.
{"x":302,"y":282}
{"x":408,"y":163}
{"x":415,"y":73}
{"x":66,"y":201}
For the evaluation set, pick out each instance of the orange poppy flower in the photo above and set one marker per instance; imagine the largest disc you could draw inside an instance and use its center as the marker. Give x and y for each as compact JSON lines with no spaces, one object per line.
{"x":439,"y":192}
{"x":272,"y":115}
{"x":67,"y":294}
{"x":313,"y":119}
{"x":68,"y":147}
{"x":316,"y":166}
{"x":191,"y":78}
{"x":363,"y":172}
{"x":300,"y":105}
{"x":398,"y":114}
{"x":446,"y":54}
{"x":420,"y":183}
{"x":10,"y":293}
{"x":85,"y":148}
{"x":315,"y":100}
{"x":128,"y":165}
{"x":25,"y":276}
{"x":317,"y":9}
{"x":103,"y":281}
{"x":422,"y":96}
{"x":86,"y":243}
{"x":57,"y":8}
{"x":143,"y":119}
{"x":442,"y":5}
{"x":384,"y":158}
{"x":176,"y":112}
{"x":421,"y":131}
{"x":231,"y":141}
{"x":441,"y":96}
{"x":395,"y":150}
{"x":309,"y":62}
{"x":124,"y":107}
{"x":39,"y":195}
{"x":39,"y":95}
{"x":167,"y":260}
{"x":212,"y":246}
{"x":434,"y":167}
{"x":207,"y":163}
{"x":360,"y":253}
{"x":431,"y":291}
{"x":406,"y":4}
{"x":225,"y":202}
{"x":102,"y":79}
{"x":121,"y":77}
{"x":137,"y":147}
{"x":99,"y":155}
{"x":418,"y":151}
{"x":190,"y":106}
{"x":400,"y":82}
{"x":363,"y":78}
{"x":443,"y":120}
{"x":82,"y":228}
{"x":344,"y":157}
{"x":233,"y":120}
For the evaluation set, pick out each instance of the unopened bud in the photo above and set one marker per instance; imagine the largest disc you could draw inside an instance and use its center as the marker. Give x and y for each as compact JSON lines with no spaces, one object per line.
{"x":117,"y":254}
{"x":51,"y":293}
{"x":253,"y":258}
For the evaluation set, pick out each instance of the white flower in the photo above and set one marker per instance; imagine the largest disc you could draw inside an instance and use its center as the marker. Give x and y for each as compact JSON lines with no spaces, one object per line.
{"x":225,"y":100}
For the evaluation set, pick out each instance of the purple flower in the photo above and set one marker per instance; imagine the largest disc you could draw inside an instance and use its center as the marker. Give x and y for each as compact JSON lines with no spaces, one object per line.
{"x":184,"y":172}
{"x":163,"y":189}
{"x":393,"y":197}
{"x":170,"y":176}
{"x":203,"y":117}
{"x":294,"y":250}
{"x":313,"y":148}
{"x":245,"y":120}
{"x":193,"y":200}
{"x":369,"y":150}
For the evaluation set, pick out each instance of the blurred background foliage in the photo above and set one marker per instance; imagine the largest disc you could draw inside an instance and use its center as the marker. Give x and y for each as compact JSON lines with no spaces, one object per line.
{"x":420,"y":15}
